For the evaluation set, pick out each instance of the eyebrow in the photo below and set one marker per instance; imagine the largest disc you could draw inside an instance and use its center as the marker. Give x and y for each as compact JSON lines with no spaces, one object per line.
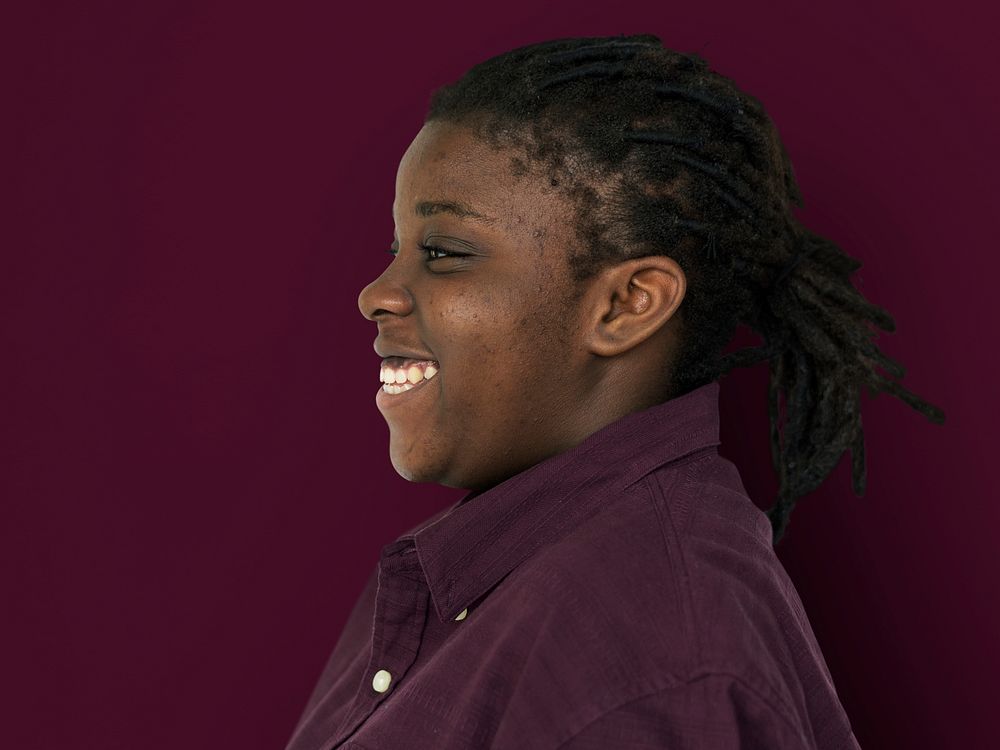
{"x":461,"y":210}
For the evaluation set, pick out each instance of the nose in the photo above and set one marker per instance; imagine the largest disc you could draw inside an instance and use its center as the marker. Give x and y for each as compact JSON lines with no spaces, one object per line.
{"x":386,"y":295}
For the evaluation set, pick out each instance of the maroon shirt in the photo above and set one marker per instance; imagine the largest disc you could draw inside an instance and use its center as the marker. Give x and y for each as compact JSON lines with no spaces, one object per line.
{"x":622,"y":594}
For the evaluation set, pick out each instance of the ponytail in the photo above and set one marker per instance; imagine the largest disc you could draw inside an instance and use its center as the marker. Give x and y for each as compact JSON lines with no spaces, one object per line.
{"x":819,"y":345}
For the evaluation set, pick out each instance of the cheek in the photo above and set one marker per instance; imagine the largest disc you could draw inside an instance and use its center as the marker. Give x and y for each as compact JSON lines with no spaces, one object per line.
{"x":509,"y":338}
{"x":544,"y":326}
{"x":535,"y":345}
{"x":466,"y":327}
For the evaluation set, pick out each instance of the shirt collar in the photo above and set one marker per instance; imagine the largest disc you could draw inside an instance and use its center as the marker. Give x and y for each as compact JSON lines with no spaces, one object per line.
{"x":467,"y":549}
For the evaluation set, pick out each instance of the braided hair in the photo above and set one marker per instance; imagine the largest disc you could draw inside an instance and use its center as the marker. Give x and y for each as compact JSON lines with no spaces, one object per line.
{"x":661,"y":155}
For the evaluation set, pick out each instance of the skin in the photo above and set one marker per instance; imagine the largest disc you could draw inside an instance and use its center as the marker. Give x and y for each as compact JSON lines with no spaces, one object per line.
{"x":529,"y":364}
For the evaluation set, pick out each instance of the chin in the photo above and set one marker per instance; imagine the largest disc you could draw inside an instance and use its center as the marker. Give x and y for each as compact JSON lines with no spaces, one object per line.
{"x":414,"y":469}
{"x":429,"y":470}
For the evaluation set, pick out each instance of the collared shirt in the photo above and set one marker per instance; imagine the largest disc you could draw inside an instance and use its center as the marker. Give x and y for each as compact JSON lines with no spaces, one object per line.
{"x":622,"y":594}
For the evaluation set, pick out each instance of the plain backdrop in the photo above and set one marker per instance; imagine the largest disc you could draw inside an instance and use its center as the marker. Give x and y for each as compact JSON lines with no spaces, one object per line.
{"x":195,"y":480}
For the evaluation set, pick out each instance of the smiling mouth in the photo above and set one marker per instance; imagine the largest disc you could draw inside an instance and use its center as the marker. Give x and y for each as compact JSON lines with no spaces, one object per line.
{"x":399,"y":375}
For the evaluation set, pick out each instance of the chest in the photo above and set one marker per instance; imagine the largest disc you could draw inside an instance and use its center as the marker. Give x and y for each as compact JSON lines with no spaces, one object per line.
{"x":490,"y":679}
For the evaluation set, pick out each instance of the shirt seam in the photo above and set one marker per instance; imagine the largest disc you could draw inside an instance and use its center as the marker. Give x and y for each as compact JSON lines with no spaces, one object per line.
{"x":671,"y":536}
{"x":688,"y":483}
{"x":775,"y":706}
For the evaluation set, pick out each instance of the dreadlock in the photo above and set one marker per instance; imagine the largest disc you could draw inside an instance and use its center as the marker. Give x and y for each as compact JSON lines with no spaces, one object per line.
{"x":661,"y":155}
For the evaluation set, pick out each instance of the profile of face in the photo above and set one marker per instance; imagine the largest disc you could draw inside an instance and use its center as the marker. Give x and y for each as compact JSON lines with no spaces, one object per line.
{"x":484,"y":314}
{"x":487,"y":345}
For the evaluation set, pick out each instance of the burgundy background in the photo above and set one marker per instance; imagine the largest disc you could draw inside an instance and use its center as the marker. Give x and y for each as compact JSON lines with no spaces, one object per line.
{"x":195,"y":478}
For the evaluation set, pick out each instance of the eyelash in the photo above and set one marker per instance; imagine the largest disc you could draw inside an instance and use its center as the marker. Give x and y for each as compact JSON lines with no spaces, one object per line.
{"x":431,"y":249}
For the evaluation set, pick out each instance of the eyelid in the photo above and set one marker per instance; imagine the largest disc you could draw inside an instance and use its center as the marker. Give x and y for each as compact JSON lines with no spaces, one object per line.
{"x":428,"y":249}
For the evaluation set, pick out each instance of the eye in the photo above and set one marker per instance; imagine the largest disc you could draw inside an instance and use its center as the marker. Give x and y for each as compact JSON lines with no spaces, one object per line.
{"x":433,"y":253}
{"x":436,"y":253}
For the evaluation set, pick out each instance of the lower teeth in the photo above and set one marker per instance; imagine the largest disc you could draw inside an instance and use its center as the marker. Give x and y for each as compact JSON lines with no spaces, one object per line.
{"x":395,"y":388}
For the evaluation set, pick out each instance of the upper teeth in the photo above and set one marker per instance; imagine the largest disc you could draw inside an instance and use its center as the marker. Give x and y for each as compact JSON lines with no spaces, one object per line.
{"x":399,"y":379}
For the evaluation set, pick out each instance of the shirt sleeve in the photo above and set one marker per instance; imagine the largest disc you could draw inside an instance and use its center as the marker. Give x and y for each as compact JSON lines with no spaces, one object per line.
{"x":712,"y":712}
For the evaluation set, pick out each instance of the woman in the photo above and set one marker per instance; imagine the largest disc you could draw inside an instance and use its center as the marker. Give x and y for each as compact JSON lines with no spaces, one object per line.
{"x":580,"y":227}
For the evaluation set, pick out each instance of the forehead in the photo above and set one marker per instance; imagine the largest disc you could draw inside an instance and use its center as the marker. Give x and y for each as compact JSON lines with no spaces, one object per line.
{"x":447,"y":164}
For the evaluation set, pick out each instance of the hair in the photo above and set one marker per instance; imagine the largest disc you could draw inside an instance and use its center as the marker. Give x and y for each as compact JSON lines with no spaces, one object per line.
{"x":662,"y":156}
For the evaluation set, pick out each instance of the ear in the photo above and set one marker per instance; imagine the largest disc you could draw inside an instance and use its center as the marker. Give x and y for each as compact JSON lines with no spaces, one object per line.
{"x":628,"y":302}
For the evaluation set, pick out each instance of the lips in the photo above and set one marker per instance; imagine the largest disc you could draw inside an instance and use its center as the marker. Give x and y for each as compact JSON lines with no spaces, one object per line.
{"x":402,"y":371}
{"x":389,"y":350}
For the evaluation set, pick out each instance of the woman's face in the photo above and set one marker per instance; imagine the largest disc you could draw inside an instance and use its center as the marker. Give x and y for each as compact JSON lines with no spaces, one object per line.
{"x":483,"y":327}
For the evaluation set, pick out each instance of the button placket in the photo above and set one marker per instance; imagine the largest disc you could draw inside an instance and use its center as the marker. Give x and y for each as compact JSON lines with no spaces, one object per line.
{"x":401,"y":606}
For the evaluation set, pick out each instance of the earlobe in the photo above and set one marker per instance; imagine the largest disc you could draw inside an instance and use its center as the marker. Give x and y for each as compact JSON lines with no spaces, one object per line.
{"x":632,"y":302}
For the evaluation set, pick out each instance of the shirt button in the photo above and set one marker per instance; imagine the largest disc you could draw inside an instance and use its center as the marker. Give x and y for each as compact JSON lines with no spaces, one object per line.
{"x":381,"y":681}
{"x":462,"y":614}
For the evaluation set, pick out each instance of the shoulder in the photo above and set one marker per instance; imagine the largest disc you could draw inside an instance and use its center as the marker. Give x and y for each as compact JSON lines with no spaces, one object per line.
{"x":668,"y":581}
{"x":711,"y":710}
{"x":677,"y":551}
{"x":669,"y":603}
